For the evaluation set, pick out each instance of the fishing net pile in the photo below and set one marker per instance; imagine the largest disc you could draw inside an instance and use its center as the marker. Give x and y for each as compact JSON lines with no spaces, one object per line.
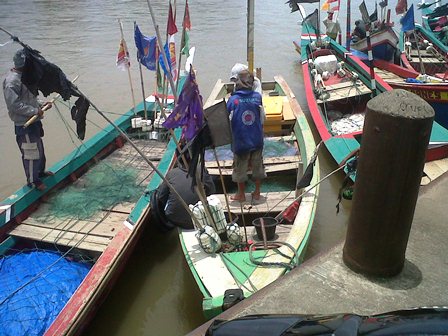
{"x":272,"y":148}
{"x":106,"y":185}
{"x":34,"y":287}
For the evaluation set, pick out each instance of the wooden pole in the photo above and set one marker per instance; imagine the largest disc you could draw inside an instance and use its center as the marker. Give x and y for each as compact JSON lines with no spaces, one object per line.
{"x":422,"y":66}
{"x":182,"y":41}
{"x":250,"y":34}
{"x":395,"y":138}
{"x":158,"y":172}
{"x":370,"y":57}
{"x":162,"y":50}
{"x":36,"y":117}
{"x":129,"y":70}
{"x":141,"y":80}
{"x":223,"y":184}
{"x":347,"y":28}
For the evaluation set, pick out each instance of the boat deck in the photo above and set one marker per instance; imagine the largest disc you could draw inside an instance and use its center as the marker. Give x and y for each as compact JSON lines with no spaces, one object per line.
{"x":269,"y":202}
{"x":343,"y":90}
{"x":388,"y":76}
{"x":96,"y":232}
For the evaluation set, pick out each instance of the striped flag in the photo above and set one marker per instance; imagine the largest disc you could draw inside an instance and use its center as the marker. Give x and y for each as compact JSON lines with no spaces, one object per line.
{"x":123,"y":62}
{"x":186,"y":24}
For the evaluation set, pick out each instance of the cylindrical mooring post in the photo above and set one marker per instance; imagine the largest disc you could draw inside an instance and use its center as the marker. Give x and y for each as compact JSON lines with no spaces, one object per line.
{"x":395,"y":138}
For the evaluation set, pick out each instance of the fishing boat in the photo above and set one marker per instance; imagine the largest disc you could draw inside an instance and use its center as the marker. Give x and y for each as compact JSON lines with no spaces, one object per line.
{"x":434,"y":91}
{"x":384,"y":43}
{"x":435,"y":20}
{"x":337,"y":100}
{"x":237,"y":271}
{"x":424,"y":53}
{"x":63,"y":248}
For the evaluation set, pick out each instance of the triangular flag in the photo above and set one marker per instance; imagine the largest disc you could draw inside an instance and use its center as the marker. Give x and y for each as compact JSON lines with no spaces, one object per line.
{"x":311,"y":19}
{"x":187,"y":23}
{"x":407,"y":21}
{"x":401,"y":6}
{"x":123,"y":62}
{"x":185,"y":44}
{"x":171,"y":27}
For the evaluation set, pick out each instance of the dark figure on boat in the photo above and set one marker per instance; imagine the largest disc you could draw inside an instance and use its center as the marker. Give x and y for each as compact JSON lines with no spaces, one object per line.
{"x":22,"y":105}
{"x":166,"y":210}
{"x":359,"y":32}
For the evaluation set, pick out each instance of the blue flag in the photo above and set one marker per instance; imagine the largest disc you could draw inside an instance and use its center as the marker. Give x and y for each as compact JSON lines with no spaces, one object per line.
{"x":168,"y":57}
{"x":188,"y":112}
{"x":146,"y":49}
{"x":407,"y":21}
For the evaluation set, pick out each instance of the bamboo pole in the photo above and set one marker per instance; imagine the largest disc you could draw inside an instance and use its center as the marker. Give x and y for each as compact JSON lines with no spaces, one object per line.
{"x":141,"y":81}
{"x":35,"y":117}
{"x":129,"y":70}
{"x":159,"y":42}
{"x":158,"y":172}
{"x":250,"y":34}
{"x":223,"y":184}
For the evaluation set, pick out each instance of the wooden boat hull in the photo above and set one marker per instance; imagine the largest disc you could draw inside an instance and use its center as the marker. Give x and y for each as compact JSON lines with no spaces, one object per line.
{"x":16,"y":209}
{"x":340,"y":146}
{"x":215,"y":273}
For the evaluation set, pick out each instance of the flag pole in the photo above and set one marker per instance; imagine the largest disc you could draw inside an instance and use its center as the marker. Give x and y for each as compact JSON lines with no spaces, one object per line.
{"x":129,"y":70}
{"x":250,"y":34}
{"x":347,"y":31}
{"x":159,"y":43}
{"x":141,"y":79}
{"x":182,"y":41}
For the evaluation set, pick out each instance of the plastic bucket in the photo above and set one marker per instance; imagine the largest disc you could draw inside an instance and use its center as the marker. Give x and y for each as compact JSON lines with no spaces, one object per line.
{"x":270,"y":224}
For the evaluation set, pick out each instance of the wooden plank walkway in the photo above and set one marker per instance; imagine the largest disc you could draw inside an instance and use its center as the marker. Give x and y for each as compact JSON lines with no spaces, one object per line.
{"x":269,"y":202}
{"x":96,"y":232}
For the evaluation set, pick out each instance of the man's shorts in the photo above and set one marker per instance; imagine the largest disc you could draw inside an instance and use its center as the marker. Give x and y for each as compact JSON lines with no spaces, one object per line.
{"x":241,"y":165}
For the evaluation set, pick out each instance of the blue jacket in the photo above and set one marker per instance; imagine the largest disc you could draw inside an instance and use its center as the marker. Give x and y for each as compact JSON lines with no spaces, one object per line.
{"x":247,"y":129}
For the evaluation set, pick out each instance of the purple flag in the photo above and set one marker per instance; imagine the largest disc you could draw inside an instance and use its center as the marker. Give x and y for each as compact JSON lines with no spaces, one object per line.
{"x":188,"y":112}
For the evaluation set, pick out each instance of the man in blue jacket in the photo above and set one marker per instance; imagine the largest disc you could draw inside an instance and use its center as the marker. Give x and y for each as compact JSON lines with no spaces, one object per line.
{"x":245,"y":108}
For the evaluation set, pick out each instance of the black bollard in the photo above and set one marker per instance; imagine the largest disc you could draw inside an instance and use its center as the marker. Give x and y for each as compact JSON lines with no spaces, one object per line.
{"x":395,"y":138}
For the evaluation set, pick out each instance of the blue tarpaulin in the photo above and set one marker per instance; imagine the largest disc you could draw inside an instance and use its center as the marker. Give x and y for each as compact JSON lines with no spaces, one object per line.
{"x":34,"y":287}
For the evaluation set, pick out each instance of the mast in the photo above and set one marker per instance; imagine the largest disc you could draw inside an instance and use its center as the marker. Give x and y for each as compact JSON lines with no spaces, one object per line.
{"x":347,"y":36}
{"x":250,"y":34}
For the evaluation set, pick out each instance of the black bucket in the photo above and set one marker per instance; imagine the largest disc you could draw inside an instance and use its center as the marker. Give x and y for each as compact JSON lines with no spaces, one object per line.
{"x":270,"y":224}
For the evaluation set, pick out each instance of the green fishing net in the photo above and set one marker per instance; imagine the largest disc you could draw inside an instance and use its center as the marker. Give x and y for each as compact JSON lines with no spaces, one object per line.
{"x":102,"y":187}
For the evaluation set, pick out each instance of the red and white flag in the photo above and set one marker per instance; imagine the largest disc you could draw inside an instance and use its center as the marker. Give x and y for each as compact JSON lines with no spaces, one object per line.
{"x":123,"y":62}
{"x":172,"y":48}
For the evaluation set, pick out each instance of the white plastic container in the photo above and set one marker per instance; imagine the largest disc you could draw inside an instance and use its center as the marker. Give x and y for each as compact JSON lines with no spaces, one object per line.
{"x":217,"y":213}
{"x":199,"y":213}
{"x":233,"y":233}
{"x":136,"y":122}
{"x":208,"y":239}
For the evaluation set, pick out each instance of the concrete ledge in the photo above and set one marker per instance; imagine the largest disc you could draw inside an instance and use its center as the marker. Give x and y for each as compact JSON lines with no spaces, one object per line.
{"x":325,"y":285}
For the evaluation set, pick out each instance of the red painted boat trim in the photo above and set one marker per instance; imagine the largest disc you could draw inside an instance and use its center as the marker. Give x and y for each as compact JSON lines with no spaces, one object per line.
{"x":396,"y":69}
{"x":87,"y":293}
{"x":378,"y":79}
{"x":312,"y":104}
{"x":406,"y":62}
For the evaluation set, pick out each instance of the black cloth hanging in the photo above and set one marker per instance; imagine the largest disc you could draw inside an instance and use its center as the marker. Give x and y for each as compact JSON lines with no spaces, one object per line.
{"x":198,"y":145}
{"x":41,"y":75}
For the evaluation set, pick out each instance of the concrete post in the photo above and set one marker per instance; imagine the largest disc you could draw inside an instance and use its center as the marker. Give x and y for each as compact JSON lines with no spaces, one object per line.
{"x":395,"y":138}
